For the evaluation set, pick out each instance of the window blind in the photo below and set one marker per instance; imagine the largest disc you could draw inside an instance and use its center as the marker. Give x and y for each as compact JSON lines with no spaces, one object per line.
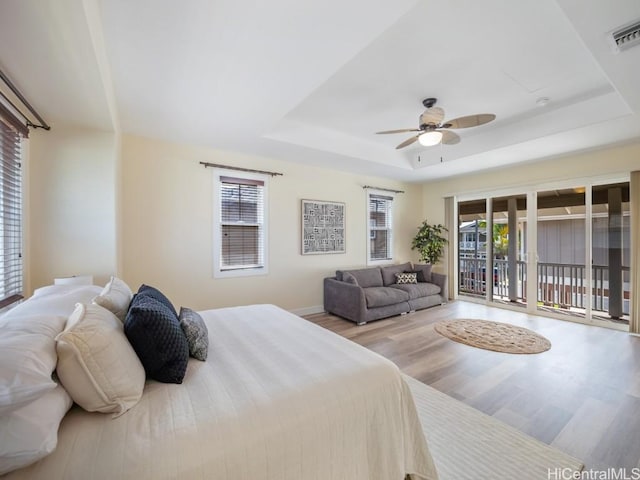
{"x":242,"y":223}
{"x":10,"y":213}
{"x":380,"y":227}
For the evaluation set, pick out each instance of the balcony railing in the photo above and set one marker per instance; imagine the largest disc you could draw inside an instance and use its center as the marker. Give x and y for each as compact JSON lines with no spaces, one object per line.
{"x":473,"y":277}
{"x":471,"y":246}
{"x":561,"y":286}
{"x":564,"y":286}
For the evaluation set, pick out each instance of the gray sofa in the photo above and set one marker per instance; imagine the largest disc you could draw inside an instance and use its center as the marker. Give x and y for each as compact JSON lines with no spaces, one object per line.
{"x":372,"y":293}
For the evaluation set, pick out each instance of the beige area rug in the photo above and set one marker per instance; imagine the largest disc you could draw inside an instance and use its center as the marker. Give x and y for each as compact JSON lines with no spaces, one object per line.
{"x":466,"y":444}
{"x":496,"y":336}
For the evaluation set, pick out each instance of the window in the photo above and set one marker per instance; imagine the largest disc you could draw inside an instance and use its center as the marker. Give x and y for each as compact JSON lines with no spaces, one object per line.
{"x":240,"y":225}
{"x":380,"y":227}
{"x":10,"y":211}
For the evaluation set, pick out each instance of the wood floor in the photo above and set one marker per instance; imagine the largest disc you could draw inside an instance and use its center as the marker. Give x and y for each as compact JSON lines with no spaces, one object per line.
{"x":582,"y":396}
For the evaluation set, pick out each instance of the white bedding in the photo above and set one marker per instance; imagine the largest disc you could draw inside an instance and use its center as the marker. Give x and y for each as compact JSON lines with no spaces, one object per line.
{"x":278,"y":398}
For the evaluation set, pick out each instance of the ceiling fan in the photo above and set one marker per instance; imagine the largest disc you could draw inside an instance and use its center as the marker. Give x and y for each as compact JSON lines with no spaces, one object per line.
{"x":432,"y":130}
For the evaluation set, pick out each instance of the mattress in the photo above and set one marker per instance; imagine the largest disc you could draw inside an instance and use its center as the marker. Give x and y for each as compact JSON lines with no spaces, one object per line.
{"x":278,"y":398}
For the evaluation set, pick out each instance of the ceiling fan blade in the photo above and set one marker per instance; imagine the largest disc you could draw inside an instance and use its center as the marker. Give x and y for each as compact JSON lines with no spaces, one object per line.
{"x":404,"y":130}
{"x":407,"y":142}
{"x":470,"y":121}
{"x":449,"y":137}
{"x":433,"y":115}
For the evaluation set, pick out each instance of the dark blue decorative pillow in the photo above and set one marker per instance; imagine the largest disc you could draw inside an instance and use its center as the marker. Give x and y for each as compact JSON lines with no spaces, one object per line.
{"x":423,"y":270}
{"x":158,"y":295}
{"x":196,"y":332}
{"x":157,"y":338}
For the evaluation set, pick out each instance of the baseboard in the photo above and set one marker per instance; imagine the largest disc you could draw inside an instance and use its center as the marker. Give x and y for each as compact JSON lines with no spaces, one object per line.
{"x":308,"y":310}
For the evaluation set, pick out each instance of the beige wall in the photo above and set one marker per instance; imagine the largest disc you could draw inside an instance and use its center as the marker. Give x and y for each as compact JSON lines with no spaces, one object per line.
{"x":70,"y":205}
{"x":618,"y":160}
{"x":167,"y":226}
{"x":163,"y":233}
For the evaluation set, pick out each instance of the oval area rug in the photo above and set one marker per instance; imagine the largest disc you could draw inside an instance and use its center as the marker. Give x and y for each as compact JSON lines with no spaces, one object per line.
{"x":496,"y":336}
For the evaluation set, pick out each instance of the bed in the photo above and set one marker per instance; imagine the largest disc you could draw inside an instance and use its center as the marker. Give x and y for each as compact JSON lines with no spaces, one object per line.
{"x":278,"y":398}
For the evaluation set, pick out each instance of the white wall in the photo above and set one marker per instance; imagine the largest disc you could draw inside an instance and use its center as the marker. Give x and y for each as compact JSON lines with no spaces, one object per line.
{"x":167,"y":226}
{"x":70,"y":205}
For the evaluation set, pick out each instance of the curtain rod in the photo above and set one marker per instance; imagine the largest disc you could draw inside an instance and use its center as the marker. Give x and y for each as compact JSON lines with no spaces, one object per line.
{"x":383,"y":189}
{"x":216,"y":165}
{"x":25,"y":102}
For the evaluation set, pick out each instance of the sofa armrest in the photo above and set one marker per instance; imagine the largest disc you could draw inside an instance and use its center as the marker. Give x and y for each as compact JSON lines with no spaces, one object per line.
{"x":344,"y":299}
{"x":441,"y":280}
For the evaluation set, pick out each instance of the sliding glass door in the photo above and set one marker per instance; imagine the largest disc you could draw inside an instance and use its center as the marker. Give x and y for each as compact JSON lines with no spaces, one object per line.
{"x":491,"y":249}
{"x":509,"y":270}
{"x":561,"y":251}
{"x":472,"y":248}
{"x":610,"y":242}
{"x":558,"y":251}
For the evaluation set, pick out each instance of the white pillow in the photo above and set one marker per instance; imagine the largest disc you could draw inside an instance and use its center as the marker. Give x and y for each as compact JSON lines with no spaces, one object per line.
{"x":52,"y":300}
{"x":27,"y":342}
{"x":31,"y":432}
{"x":97,"y":364}
{"x":115,"y":297}
{"x":27,"y":358}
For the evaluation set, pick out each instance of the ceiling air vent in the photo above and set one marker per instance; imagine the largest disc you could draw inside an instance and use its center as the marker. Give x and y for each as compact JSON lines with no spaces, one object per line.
{"x":625,"y":37}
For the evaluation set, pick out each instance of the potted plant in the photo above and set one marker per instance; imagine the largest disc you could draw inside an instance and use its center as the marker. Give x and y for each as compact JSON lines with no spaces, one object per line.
{"x":430,"y":242}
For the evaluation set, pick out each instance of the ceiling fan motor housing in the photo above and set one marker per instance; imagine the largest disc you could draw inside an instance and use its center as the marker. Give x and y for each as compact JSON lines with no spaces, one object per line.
{"x":429,"y":102}
{"x":429,"y":120}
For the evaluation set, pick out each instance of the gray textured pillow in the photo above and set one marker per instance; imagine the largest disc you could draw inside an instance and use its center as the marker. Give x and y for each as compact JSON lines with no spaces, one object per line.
{"x":347,"y":277}
{"x":196,"y":332}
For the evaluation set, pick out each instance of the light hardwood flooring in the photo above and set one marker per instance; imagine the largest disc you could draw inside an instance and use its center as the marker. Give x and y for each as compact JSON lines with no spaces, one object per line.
{"x":582,"y":396}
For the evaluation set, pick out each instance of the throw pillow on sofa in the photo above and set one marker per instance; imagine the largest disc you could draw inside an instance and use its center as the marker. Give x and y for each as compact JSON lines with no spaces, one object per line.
{"x":406,"y":278}
{"x":348,"y":278}
{"x":423,"y":271}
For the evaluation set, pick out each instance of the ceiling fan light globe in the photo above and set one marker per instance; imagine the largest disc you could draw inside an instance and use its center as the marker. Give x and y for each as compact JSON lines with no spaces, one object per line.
{"x":429,"y":139}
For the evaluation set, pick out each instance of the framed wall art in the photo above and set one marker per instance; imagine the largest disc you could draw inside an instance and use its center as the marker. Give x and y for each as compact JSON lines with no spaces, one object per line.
{"x":323,"y":227}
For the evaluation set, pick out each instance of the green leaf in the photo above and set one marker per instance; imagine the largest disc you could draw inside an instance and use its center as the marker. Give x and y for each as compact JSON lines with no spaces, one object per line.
{"x":430,"y":242}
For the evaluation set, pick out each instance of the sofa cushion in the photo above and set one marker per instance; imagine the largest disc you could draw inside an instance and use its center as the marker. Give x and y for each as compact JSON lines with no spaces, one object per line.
{"x":424,"y":271}
{"x":418,"y":290}
{"x":389,"y":273}
{"x":406,"y":278}
{"x":366,"y":277}
{"x":383,"y":296}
